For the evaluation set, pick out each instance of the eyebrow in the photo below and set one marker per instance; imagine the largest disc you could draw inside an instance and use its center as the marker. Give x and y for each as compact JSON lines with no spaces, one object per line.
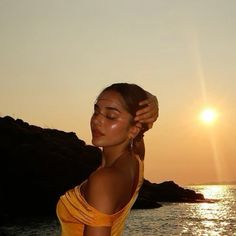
{"x":108,"y":108}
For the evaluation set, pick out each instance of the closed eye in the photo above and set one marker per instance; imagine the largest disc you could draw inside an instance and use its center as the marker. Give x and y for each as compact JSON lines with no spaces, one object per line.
{"x":110,"y":114}
{"x":111,"y":117}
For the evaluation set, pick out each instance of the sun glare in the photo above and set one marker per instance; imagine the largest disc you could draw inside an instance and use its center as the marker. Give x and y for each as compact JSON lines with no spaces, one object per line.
{"x":208,"y":115}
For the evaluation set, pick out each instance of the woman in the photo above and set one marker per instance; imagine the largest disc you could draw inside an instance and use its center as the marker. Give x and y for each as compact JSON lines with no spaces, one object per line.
{"x":100,"y":205}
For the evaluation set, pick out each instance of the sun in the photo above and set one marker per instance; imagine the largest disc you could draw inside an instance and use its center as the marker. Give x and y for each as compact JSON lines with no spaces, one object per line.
{"x":208,"y":115}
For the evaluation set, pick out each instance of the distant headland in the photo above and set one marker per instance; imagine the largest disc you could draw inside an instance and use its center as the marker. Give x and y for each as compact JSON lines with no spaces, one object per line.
{"x":37,"y":165}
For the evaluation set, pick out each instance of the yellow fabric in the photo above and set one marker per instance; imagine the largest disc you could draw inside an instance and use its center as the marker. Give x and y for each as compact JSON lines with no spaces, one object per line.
{"x":74,"y":212}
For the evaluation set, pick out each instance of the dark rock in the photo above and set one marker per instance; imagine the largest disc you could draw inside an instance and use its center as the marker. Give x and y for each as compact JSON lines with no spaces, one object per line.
{"x":168,"y":192}
{"x":38,"y":165}
{"x":143,"y":203}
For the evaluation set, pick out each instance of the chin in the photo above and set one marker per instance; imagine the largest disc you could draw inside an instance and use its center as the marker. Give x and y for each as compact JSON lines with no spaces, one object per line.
{"x":96,"y":143}
{"x":101,"y":143}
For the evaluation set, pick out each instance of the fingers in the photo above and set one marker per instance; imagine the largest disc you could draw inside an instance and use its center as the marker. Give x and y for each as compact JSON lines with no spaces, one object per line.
{"x":138,"y":125}
{"x":150,"y":112}
{"x":143,"y":111}
{"x":147,"y":114}
{"x":150,"y":100}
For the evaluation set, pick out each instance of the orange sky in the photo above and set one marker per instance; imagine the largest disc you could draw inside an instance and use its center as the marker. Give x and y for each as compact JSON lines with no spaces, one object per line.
{"x":56,"y":56}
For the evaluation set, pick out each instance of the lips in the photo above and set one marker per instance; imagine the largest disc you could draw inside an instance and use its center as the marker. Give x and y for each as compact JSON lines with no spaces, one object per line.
{"x":97,"y":133}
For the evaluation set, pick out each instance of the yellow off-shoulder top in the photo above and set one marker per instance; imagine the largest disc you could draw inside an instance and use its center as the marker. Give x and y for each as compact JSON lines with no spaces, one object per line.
{"x":74,"y":212}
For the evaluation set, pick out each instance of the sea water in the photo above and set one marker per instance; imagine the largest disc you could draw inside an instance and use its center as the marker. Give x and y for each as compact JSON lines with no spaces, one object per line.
{"x":213,"y":219}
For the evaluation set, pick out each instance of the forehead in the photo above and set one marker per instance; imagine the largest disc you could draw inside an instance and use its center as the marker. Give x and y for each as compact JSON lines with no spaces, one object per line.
{"x":111,"y":98}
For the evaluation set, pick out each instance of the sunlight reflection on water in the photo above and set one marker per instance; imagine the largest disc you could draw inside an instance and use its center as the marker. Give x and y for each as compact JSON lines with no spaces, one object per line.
{"x":217,"y":218}
{"x":213,"y":218}
{"x":215,"y":191}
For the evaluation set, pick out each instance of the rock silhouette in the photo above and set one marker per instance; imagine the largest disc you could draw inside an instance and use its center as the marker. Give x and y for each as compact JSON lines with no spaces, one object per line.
{"x":37,"y":165}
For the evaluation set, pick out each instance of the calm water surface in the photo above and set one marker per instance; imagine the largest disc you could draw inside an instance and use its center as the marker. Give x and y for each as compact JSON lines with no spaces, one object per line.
{"x":172,"y":219}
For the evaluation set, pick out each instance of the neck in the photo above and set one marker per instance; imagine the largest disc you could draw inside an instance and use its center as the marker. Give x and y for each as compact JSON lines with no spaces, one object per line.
{"x":111,"y":154}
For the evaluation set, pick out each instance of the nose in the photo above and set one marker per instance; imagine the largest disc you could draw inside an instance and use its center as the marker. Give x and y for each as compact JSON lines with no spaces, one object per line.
{"x":97,"y":119}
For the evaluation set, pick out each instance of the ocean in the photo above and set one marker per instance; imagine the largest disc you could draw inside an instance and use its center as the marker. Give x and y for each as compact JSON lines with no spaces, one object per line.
{"x":213,"y":219}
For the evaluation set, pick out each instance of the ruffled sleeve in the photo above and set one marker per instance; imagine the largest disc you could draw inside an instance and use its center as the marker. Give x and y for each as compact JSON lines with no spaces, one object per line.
{"x":82,"y":211}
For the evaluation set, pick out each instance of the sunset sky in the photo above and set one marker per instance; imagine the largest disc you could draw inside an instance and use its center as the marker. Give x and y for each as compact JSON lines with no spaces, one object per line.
{"x":56,"y":56}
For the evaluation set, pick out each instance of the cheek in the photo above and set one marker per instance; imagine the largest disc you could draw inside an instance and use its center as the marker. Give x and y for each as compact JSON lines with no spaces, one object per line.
{"x":115,"y":127}
{"x":119,"y":128}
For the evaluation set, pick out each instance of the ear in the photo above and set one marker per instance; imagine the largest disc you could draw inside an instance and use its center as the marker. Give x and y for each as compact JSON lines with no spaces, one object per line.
{"x":134,"y":130}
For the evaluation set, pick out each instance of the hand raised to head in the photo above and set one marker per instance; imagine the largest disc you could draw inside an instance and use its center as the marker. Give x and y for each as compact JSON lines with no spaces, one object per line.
{"x":150,"y":112}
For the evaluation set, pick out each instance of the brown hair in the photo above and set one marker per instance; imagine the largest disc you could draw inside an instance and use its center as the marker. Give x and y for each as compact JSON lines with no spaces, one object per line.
{"x":132,"y":94}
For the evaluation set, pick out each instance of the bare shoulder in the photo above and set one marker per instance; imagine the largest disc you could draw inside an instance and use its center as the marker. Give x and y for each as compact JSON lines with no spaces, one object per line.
{"x":105,"y":189}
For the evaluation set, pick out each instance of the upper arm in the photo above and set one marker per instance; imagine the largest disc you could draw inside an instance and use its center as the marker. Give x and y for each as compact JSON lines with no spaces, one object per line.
{"x":101,"y":194}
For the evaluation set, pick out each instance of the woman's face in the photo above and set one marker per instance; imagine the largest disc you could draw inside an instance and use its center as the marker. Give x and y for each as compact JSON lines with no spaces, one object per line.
{"x":110,"y":122}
